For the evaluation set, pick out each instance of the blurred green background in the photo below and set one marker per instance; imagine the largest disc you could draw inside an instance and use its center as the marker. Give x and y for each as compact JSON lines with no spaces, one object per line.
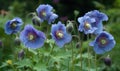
{"x":65,"y":9}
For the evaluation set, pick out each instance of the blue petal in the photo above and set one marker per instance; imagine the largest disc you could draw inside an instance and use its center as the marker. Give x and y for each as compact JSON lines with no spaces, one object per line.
{"x":81,"y":27}
{"x":92,"y":43}
{"x":18,"y":20}
{"x":104,"y":17}
{"x":52,"y":18}
{"x":80,"y":20}
{"x":109,"y":46}
{"x":99,"y":28}
{"x":47,"y":8}
{"x":98,"y":50}
{"x":39,"y":42}
{"x":60,"y":43}
{"x":67,"y":38}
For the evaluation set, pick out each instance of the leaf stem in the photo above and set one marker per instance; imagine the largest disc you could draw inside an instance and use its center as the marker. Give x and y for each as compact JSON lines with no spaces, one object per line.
{"x":72,"y":57}
{"x":88,"y":49}
{"x":96,"y":62}
{"x":50,"y":53}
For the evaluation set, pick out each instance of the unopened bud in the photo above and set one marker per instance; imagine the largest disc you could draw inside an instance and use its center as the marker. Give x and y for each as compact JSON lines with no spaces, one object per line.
{"x":76,"y":12}
{"x":78,"y":44}
{"x":107,"y":61}
{"x":69,"y":26}
{"x":36,"y":20}
{"x":21,"y":54}
{"x":17,"y":41}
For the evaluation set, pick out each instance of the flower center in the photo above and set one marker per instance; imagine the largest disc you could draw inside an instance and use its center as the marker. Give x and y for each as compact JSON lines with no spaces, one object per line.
{"x":13,"y":25}
{"x":31,"y":36}
{"x":59,"y":34}
{"x":103,"y":41}
{"x":87,"y":25}
{"x":43,"y":13}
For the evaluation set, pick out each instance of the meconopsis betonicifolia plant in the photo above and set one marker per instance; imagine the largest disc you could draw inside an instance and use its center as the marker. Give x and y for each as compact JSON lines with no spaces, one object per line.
{"x":33,"y":38}
{"x":92,"y":23}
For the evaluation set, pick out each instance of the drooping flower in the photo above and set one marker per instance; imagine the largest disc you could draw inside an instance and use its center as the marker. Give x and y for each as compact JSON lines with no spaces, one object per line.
{"x":99,"y":17}
{"x":36,"y":21}
{"x":21,"y":54}
{"x":86,"y":24}
{"x":107,"y":61}
{"x":104,"y":42}
{"x":13,"y":26}
{"x":32,"y":38}
{"x":69,"y":26}
{"x":60,"y":35}
{"x":43,"y":11}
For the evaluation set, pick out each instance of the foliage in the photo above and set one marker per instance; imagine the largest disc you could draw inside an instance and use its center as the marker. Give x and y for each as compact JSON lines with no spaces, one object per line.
{"x":69,"y":57}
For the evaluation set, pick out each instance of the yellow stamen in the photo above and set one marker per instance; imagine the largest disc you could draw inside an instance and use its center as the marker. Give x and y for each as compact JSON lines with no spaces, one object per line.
{"x":103,"y":41}
{"x":59,"y":34}
{"x":87,"y":25}
{"x":31,"y":37}
{"x":13,"y":25}
{"x":44,"y":13}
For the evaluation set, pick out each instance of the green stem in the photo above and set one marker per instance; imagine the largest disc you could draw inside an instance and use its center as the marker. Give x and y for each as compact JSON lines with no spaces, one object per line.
{"x":81,"y":43}
{"x":72,"y":57}
{"x":80,"y":38}
{"x":96,"y":62}
{"x":50,"y":53}
{"x":88,"y":54}
{"x":68,"y":65}
{"x":13,"y":67}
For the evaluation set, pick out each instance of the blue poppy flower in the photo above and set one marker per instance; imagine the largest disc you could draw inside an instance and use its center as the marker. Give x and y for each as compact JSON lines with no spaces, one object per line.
{"x":51,"y":17}
{"x":99,"y":17}
{"x":13,"y":26}
{"x":60,"y":35}
{"x":104,"y":42}
{"x":43,"y":11}
{"x":86,"y":24}
{"x":32,"y":38}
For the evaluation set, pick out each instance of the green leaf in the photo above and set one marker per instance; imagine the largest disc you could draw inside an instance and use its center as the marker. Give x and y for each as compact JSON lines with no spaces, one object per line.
{"x":3,"y":65}
{"x":40,"y":67}
{"x":24,"y":62}
{"x":32,"y":51}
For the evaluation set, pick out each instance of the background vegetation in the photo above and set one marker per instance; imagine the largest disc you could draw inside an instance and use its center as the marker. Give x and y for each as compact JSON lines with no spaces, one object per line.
{"x":65,"y":9}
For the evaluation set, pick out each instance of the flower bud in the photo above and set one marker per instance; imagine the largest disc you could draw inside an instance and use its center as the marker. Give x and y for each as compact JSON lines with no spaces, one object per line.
{"x":17,"y":41}
{"x":36,"y":20}
{"x":107,"y":61}
{"x":76,"y":12}
{"x":69,"y":26}
{"x":21,"y":54}
{"x":78,"y":44}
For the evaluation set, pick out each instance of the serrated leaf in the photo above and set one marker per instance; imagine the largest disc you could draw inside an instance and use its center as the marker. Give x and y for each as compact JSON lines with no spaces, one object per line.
{"x":24,"y":62}
{"x":40,"y":67}
{"x":3,"y":65}
{"x":32,"y":51}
